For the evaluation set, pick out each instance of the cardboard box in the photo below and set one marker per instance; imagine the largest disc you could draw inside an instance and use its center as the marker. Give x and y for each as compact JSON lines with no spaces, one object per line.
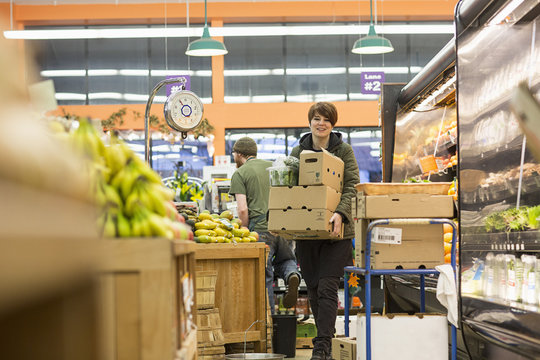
{"x":404,"y":337}
{"x":344,"y":348}
{"x":404,"y":206}
{"x":421,"y":245}
{"x":304,"y":343}
{"x":302,"y":224}
{"x":303,"y":197}
{"x":321,"y":168}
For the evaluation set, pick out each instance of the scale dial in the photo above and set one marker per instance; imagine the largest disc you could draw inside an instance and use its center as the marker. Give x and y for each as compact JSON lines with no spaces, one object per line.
{"x":183,"y":111}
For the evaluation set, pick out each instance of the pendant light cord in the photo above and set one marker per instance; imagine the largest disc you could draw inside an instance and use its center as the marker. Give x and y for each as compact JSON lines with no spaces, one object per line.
{"x":205,"y":18}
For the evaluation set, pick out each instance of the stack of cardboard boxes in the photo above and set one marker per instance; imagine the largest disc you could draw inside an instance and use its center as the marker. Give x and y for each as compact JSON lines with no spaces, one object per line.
{"x":401,"y":246}
{"x":304,"y":211}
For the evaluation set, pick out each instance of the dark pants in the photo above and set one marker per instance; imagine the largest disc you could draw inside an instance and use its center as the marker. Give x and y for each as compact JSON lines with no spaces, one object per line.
{"x":322,"y":263}
{"x":324,"y":304}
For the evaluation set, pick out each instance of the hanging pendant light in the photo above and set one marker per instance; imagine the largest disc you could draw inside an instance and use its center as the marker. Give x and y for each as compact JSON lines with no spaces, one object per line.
{"x":206,"y":46}
{"x":372,"y":43}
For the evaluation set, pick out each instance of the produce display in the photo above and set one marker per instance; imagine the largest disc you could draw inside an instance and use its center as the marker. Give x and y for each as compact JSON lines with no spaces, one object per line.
{"x":447,"y":237}
{"x":284,"y":172}
{"x":513,"y":219}
{"x":132,"y":200}
{"x":218,"y":228}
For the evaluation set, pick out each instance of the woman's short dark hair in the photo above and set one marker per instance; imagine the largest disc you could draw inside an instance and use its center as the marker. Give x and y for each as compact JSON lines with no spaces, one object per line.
{"x":326,"y":109}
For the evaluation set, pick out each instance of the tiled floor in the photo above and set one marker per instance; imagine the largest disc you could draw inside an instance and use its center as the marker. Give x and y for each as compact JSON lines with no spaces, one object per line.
{"x":303,"y":354}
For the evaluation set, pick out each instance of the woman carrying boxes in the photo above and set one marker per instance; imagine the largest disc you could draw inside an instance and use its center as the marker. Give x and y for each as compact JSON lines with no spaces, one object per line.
{"x":322,"y":260}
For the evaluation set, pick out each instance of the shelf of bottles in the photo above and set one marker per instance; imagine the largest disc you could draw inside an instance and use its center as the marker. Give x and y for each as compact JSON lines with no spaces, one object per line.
{"x":499,"y":180}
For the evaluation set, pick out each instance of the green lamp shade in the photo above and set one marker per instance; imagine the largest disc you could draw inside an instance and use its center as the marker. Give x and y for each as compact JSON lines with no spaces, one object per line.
{"x":372,"y":44}
{"x":206,"y":46}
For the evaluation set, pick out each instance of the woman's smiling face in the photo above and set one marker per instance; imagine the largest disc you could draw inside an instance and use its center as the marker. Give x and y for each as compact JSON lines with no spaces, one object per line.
{"x":320,"y":126}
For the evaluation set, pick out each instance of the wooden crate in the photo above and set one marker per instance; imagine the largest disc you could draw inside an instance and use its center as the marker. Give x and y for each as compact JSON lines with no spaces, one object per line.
{"x":209,"y":331}
{"x":206,"y":289}
{"x":145,"y":283}
{"x":240,"y":289}
{"x":49,"y":259}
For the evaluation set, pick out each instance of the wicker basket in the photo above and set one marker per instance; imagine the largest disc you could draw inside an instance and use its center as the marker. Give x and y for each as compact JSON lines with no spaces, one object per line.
{"x":206,"y":289}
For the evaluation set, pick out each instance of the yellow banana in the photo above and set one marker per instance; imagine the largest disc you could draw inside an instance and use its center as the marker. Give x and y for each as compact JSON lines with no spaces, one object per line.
{"x":159,"y":227}
{"x":109,"y":229}
{"x":123,"y":225}
{"x":132,"y":204}
{"x":112,"y":196}
{"x":136,"y":226}
{"x":158,"y":204}
{"x":128,"y":182}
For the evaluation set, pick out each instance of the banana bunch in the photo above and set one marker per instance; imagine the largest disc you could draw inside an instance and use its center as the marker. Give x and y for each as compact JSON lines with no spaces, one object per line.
{"x":131,"y":196}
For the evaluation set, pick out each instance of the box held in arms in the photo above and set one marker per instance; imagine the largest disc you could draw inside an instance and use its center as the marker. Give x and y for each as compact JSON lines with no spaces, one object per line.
{"x":302,"y":224}
{"x":404,"y":337}
{"x":344,"y":348}
{"x":407,"y":246}
{"x":321,"y":168}
{"x":304,"y":197}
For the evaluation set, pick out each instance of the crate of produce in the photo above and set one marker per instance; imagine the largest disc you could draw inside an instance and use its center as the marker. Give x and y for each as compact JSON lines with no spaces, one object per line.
{"x":146,"y":300}
{"x":434,"y":188}
{"x":206,"y":289}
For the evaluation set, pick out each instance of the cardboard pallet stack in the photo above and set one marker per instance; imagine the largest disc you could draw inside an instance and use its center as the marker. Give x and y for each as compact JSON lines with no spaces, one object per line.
{"x":303,"y":212}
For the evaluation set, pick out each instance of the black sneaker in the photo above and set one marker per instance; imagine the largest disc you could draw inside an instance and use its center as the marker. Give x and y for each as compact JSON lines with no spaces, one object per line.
{"x":319,"y":354}
{"x":289,"y":299}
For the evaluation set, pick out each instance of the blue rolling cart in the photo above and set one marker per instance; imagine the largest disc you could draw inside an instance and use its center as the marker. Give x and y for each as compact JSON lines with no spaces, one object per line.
{"x":368,"y":273}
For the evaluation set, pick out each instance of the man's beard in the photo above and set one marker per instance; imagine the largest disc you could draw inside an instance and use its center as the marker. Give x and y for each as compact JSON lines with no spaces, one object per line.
{"x":238,"y":162}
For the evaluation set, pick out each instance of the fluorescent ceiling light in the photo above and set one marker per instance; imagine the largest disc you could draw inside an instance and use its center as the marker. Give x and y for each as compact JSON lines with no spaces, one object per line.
{"x":317,"y":71}
{"x":171,"y":32}
{"x":62,"y":73}
{"x":70,"y":96}
{"x":240,"y":72}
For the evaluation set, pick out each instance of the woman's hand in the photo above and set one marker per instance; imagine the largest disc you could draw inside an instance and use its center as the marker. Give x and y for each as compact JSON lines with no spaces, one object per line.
{"x":337,"y":220}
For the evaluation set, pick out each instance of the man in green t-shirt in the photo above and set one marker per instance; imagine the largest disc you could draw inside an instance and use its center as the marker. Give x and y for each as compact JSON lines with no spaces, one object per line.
{"x":250,"y":185}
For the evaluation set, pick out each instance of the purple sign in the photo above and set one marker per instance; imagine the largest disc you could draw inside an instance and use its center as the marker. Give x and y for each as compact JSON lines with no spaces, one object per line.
{"x":371,"y":82}
{"x":183,"y":84}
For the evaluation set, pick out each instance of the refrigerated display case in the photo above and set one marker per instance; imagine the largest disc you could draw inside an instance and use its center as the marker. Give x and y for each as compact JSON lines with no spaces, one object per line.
{"x":499,"y":181}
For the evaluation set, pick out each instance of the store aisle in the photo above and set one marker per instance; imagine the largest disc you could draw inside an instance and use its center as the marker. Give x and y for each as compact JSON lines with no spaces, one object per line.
{"x":303,"y":354}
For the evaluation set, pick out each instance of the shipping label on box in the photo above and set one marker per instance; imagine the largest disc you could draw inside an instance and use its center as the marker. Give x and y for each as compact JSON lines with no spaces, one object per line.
{"x":303,"y":197}
{"x":404,"y":337}
{"x":404,"y":206}
{"x":343,"y":348}
{"x":321,"y":168}
{"x":421,"y":245}
{"x":300,"y":224}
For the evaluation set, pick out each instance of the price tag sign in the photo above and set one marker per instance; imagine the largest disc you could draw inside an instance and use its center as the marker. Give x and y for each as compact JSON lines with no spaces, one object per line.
{"x":183,"y":84}
{"x":384,"y":235}
{"x":371,"y":82}
{"x":428,"y":163}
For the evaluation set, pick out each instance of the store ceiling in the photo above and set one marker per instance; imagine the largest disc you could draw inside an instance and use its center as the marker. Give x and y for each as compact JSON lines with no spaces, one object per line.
{"x":66,"y":2}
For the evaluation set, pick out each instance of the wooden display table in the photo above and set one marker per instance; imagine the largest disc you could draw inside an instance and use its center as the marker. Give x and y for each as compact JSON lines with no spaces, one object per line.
{"x":240,"y":288}
{"x":48,"y":263}
{"x":146,"y":281}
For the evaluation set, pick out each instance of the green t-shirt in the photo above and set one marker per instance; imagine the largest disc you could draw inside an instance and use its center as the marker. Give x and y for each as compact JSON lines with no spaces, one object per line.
{"x":252,"y":180}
